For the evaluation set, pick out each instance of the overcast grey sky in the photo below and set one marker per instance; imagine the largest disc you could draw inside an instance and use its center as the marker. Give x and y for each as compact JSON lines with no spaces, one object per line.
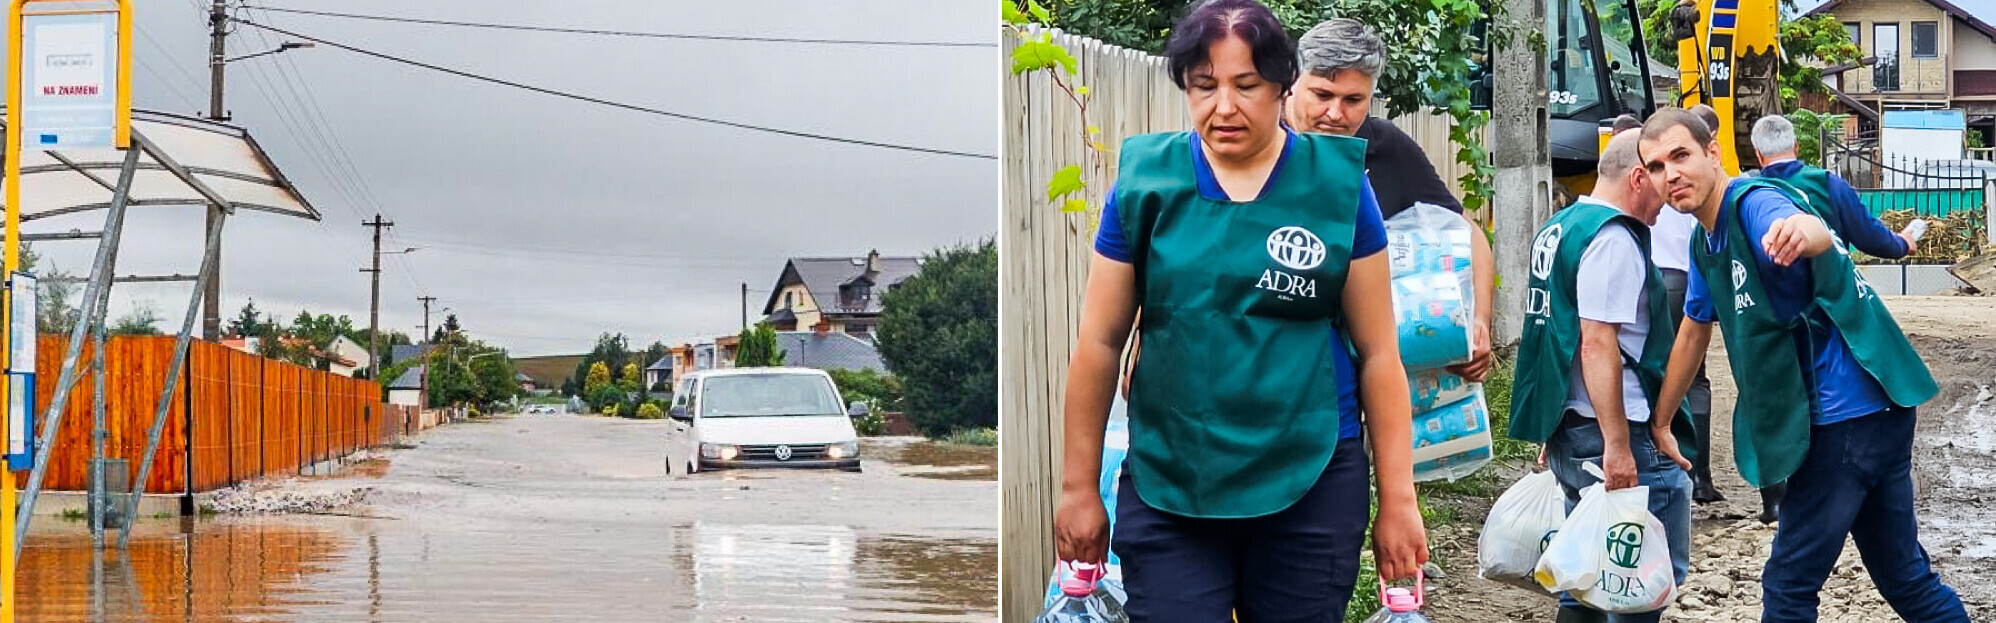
{"x":542,"y":221}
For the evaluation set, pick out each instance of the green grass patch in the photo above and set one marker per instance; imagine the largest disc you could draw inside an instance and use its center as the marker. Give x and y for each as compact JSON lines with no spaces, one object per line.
{"x":75,"y":514}
{"x":973,"y":437}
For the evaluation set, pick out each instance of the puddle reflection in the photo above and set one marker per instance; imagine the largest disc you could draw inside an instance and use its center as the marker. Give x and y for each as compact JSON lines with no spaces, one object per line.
{"x":325,"y":569}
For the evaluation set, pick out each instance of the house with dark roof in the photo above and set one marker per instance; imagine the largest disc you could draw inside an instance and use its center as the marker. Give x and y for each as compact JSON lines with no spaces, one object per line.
{"x":659,"y":373}
{"x":407,"y":390}
{"x":843,"y":293}
{"x":828,"y":350}
{"x":1931,"y":54}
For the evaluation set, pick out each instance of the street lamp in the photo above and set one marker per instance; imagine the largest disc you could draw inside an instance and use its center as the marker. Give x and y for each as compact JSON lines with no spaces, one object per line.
{"x":286,"y":46}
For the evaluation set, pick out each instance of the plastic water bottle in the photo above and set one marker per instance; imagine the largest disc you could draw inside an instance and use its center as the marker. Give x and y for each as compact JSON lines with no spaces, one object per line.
{"x":1401,"y":605}
{"x":1081,"y":601}
{"x":1400,"y":608}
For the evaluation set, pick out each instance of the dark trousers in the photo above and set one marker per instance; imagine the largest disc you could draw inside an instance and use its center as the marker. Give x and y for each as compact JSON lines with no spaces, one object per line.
{"x":1856,"y":479}
{"x":1674,"y":282}
{"x":1298,"y":564}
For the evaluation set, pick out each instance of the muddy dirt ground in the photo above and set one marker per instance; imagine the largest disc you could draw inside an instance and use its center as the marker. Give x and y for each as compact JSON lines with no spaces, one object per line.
{"x":1954,"y":473}
{"x":555,"y":517}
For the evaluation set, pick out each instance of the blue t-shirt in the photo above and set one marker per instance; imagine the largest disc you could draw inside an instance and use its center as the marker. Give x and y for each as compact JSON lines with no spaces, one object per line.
{"x":1368,"y":238}
{"x":1843,"y":389}
{"x":1848,"y":217}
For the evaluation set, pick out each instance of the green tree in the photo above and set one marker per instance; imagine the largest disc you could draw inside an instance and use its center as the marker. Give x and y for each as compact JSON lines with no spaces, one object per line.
{"x":57,"y":302}
{"x":939,"y":335}
{"x":249,"y":321}
{"x":880,"y":391}
{"x":632,"y":379}
{"x":758,"y":348}
{"x":650,"y":411}
{"x":142,"y":320}
{"x":1434,"y":52}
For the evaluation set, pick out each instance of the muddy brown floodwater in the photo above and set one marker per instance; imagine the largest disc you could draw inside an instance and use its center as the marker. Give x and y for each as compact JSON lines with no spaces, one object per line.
{"x":553,"y":518}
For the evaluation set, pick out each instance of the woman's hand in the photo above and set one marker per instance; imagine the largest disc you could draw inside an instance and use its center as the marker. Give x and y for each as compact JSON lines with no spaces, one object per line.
{"x":1399,"y":541}
{"x":1081,"y":527}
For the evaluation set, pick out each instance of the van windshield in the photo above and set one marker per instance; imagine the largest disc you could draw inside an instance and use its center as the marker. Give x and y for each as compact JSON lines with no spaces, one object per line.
{"x":762,"y":395}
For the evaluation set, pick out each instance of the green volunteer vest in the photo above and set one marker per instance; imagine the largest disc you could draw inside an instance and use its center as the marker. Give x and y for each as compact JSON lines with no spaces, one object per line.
{"x":1234,"y":405}
{"x":1772,"y":417}
{"x":1814,"y":185}
{"x":1551,"y":334}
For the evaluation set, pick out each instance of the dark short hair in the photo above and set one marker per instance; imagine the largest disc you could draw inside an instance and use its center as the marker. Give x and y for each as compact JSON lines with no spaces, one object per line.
{"x":1668,"y":118}
{"x":1215,"y":20}
{"x":1625,"y":123}
{"x":1707,"y":114}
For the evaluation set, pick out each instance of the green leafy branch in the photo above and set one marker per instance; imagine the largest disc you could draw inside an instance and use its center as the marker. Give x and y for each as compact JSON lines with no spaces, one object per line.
{"x":1038,"y":52}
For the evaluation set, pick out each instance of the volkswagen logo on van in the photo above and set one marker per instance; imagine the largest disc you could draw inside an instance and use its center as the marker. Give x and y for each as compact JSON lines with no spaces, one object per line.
{"x":783,"y":453}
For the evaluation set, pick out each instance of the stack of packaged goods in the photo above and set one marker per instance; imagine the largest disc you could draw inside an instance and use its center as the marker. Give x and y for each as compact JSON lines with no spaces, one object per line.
{"x":1434,"y":302}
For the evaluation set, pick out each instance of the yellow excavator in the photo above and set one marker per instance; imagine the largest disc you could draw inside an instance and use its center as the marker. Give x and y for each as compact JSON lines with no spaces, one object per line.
{"x":1728,"y":58}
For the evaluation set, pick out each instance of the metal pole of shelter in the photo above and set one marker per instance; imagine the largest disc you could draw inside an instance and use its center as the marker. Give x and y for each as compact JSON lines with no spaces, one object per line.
{"x":174,"y":369}
{"x":100,"y":282}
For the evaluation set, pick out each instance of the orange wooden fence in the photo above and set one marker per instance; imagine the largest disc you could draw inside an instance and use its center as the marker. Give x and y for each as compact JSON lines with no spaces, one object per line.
{"x":249,"y":416}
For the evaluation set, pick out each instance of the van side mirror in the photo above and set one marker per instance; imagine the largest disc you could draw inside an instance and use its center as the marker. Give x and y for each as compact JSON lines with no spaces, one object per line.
{"x":858,"y":409}
{"x":679,"y":413}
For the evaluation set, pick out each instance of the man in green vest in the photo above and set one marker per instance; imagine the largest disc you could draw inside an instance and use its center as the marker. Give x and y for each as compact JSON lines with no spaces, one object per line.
{"x":1827,"y":382}
{"x":1839,"y":205}
{"x":1595,"y":337}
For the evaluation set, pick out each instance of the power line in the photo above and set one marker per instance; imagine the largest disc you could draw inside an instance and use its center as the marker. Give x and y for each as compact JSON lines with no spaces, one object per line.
{"x":621,"y":33}
{"x":613,"y":104}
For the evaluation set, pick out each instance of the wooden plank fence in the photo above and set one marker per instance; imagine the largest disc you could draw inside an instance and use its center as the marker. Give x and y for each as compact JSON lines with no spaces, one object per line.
{"x":1046,"y":254}
{"x":238,"y":417}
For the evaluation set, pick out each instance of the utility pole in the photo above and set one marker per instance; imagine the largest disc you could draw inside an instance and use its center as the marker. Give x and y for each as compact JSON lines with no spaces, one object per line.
{"x":423,"y":399}
{"x":744,"y":306}
{"x":1520,"y":150}
{"x":218,"y":33}
{"x":374,"y":302}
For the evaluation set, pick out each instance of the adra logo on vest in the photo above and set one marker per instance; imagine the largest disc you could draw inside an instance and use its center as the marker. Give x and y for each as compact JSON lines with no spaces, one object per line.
{"x":1741,"y":300}
{"x":1295,"y":248}
{"x":1545,"y":249}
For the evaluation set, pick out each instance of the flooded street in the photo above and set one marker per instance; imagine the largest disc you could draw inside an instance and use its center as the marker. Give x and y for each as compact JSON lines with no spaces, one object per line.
{"x":544,"y":518}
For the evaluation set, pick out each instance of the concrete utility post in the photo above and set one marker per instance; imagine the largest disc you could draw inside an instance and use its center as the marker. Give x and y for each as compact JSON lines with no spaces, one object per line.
{"x":1522,"y":155}
{"x":218,"y":34}
{"x":374,"y":301}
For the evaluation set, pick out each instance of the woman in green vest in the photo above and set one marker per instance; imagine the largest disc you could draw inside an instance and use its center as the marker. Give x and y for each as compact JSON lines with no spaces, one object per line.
{"x":1255,"y":255}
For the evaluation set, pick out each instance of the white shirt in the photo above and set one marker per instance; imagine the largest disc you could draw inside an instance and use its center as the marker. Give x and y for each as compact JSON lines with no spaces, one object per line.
{"x":1609,"y":288}
{"x":1670,"y":239}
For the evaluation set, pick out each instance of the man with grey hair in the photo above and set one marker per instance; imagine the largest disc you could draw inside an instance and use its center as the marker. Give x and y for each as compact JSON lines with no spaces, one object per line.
{"x":1341,"y":60}
{"x":1833,"y":198}
{"x":1591,"y":358}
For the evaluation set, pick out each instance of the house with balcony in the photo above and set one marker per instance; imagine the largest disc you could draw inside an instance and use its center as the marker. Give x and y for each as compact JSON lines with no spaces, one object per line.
{"x":1931,"y":54}
{"x":842,"y":293}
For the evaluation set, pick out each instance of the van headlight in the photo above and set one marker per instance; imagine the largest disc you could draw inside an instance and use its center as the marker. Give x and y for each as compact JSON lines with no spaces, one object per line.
{"x":842,"y":450}
{"x":720,"y":451}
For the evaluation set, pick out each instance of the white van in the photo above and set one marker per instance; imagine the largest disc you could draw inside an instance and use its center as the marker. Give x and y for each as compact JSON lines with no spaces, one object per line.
{"x":766,"y":417}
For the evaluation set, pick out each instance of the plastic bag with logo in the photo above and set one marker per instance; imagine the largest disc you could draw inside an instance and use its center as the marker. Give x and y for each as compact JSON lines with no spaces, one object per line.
{"x":1452,"y":441}
{"x":1115,"y":445}
{"x":1520,"y":526}
{"x":1428,"y":250}
{"x":1611,"y":553}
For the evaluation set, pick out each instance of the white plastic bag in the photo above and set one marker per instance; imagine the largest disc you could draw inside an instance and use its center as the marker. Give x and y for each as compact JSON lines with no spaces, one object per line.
{"x":1520,"y":526}
{"x":1611,"y":554}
